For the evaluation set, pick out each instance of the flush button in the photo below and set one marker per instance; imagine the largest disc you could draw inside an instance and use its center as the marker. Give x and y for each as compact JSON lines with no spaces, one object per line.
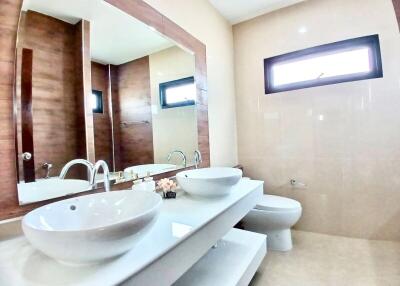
{"x":72,"y":208}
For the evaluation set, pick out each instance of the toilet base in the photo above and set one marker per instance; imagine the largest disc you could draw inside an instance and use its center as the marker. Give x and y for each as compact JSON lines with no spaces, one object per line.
{"x":275,"y":224}
{"x":279,"y":240}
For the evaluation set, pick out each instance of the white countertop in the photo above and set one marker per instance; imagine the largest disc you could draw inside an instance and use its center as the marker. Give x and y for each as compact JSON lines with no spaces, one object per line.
{"x":180,"y":220}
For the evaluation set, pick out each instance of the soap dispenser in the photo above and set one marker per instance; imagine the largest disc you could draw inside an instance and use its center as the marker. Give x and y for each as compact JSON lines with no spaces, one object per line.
{"x":150,"y":184}
{"x":137,"y":184}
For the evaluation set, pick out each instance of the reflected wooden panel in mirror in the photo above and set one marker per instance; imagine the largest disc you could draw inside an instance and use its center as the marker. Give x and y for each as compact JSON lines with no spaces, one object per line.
{"x":51,"y":121}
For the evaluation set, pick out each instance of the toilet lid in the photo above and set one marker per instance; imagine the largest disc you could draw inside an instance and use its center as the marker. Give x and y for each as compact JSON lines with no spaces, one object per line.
{"x":276,"y":203}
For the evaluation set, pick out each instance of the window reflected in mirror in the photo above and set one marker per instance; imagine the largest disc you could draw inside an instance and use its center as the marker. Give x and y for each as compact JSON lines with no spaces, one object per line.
{"x":181,"y":92}
{"x":97,"y":101}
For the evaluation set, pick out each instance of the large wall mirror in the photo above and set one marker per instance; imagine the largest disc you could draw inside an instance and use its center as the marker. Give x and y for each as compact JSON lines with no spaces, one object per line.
{"x":94,"y":83}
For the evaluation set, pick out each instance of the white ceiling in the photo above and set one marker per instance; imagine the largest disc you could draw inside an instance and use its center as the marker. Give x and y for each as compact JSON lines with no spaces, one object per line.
{"x":116,"y":37}
{"x":236,"y":11}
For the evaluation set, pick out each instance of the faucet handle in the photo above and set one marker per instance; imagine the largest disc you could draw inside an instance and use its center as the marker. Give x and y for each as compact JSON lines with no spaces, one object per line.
{"x":47,"y":167}
{"x":178,"y":152}
{"x":198,"y":156}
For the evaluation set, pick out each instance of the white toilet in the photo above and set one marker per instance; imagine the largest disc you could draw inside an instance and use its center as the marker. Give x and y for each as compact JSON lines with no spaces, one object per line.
{"x":274,"y":216}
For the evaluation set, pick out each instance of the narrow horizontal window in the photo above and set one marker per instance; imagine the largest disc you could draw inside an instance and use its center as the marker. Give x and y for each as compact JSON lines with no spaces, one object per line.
{"x":181,"y":92}
{"x":97,"y":101}
{"x":349,"y":60}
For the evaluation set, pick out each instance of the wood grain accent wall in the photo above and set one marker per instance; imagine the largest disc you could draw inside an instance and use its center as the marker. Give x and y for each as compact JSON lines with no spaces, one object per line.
{"x":54,"y":97}
{"x":102,"y":121}
{"x":116,"y":115}
{"x":83,"y":91}
{"x":134,"y":98}
{"x":9,"y":15}
{"x":396,"y":5}
{"x":130,"y":98}
{"x":28,"y":165}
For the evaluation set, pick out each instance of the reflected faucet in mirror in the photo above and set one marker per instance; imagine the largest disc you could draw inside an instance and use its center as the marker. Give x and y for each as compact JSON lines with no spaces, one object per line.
{"x":180,"y":153}
{"x":47,"y":167}
{"x":84,"y":162}
{"x":101,"y":164}
{"x":197,"y":158}
{"x":93,"y":171}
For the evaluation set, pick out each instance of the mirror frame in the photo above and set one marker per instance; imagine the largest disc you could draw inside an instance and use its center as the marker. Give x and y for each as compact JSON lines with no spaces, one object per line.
{"x":9,"y":18}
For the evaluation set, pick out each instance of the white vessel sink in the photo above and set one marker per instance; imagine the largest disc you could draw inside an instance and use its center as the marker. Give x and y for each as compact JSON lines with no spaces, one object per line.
{"x":90,"y":229}
{"x":153,"y":169}
{"x":209,"y":182}
{"x":45,"y":189}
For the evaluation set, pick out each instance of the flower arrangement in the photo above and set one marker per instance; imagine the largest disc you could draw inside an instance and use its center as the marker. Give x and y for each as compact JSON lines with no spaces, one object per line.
{"x":168,"y":188}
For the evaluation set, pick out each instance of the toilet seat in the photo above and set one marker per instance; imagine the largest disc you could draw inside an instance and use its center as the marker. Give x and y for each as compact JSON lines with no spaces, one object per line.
{"x":276,"y":203}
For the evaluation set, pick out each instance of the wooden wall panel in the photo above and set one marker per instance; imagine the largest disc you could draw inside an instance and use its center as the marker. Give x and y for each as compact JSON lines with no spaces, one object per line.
{"x":26,"y":115}
{"x":140,"y":10}
{"x":54,"y":100}
{"x":396,"y":5}
{"x":136,"y":132}
{"x":116,"y":117}
{"x":9,"y":16}
{"x":83,"y":86}
{"x":102,"y":123}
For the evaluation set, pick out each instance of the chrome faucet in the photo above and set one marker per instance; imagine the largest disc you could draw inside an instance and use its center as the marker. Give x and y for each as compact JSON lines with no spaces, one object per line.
{"x":101,"y":164}
{"x":178,"y":152}
{"x":47,"y":167}
{"x":197,"y":158}
{"x":67,"y":166}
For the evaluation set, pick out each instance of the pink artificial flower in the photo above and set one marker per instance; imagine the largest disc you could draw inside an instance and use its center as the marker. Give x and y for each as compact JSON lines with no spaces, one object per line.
{"x":166,"y":185}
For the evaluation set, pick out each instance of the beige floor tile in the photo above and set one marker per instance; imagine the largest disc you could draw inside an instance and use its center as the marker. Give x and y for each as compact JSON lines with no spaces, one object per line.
{"x":319,"y":259}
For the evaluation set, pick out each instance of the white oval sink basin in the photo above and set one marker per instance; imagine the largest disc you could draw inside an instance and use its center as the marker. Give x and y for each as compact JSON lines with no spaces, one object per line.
{"x":153,"y":169}
{"x":45,"y":189}
{"x":90,"y":229}
{"x":209,"y":182}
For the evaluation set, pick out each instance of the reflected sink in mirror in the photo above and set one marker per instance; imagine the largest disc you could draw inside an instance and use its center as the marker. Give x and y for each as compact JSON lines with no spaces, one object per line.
{"x":45,"y":189}
{"x":92,"y":228}
{"x":152,"y":169}
{"x":209,"y":182}
{"x":113,"y":177}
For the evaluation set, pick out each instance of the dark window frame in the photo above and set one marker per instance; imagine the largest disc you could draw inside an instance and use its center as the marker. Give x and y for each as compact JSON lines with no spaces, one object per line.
{"x":376,"y":63}
{"x":175,"y":83}
{"x":99,"y":96}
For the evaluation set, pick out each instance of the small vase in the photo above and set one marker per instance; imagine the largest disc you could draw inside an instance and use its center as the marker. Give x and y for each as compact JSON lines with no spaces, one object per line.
{"x":170,"y":195}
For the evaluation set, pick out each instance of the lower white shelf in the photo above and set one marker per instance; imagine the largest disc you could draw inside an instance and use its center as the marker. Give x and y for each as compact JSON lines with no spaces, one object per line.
{"x":234,"y":261}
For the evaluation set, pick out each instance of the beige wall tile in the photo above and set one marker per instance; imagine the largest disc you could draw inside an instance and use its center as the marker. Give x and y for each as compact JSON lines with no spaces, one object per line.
{"x":342,"y":140}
